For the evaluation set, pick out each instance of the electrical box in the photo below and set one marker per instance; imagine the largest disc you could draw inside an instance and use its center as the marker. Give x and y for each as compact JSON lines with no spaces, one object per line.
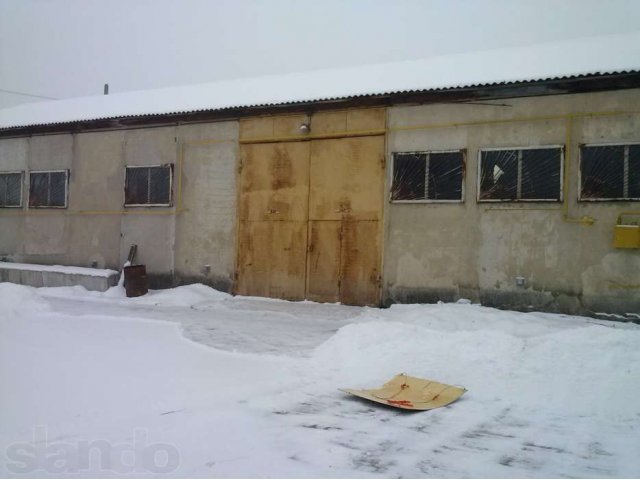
{"x":626,"y":236}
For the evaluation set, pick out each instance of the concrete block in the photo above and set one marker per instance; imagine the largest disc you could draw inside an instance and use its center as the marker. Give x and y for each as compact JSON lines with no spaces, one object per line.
{"x":57,"y":276}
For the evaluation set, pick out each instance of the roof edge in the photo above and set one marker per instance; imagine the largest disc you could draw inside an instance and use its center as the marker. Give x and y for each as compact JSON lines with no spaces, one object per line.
{"x":556,"y":86}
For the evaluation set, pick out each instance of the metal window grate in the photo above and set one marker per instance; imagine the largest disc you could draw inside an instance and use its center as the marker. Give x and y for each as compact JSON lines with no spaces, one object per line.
{"x":11,"y":189}
{"x":428,"y":176}
{"x":522,"y":174}
{"x":610,"y":172}
{"x":150,"y":186}
{"x":48,"y":188}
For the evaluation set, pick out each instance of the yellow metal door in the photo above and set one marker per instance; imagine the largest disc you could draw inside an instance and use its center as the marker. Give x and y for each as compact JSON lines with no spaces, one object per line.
{"x":345,"y":205}
{"x":273,"y":214}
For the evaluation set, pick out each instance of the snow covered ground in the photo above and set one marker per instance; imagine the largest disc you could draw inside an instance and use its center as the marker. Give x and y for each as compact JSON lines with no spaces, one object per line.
{"x":193,"y":382}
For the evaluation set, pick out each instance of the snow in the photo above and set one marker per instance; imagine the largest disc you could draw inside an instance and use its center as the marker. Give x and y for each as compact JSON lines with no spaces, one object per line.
{"x":589,"y":55}
{"x":68,"y":270}
{"x":248,"y":387}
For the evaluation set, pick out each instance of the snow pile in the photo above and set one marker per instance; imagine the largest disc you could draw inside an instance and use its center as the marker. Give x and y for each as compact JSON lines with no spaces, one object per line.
{"x":365,"y":353}
{"x":468,"y":317}
{"x":121,"y":278}
{"x":550,"y":369}
{"x":19,"y":301}
{"x":195,"y":295}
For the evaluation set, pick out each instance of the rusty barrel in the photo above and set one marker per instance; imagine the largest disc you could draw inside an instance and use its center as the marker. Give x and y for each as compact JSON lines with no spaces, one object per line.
{"x":135,"y":280}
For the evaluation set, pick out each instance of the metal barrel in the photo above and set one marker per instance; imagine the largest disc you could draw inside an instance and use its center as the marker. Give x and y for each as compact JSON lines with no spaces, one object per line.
{"x":135,"y":280}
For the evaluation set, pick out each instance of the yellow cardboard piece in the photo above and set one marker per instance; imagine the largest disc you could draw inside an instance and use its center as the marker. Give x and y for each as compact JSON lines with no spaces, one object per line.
{"x":411,"y":393}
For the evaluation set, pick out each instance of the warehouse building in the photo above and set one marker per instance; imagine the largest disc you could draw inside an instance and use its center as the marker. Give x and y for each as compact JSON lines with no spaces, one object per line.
{"x":507,"y":177}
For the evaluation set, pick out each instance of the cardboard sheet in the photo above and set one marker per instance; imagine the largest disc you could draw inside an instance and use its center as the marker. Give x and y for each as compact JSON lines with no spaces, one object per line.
{"x":411,"y":393}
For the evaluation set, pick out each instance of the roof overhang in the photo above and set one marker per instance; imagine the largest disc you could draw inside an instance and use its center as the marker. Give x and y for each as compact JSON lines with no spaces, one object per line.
{"x":555,"y":86}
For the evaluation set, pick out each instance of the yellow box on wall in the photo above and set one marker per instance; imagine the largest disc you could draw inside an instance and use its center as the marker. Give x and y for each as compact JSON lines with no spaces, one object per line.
{"x":627,"y":236}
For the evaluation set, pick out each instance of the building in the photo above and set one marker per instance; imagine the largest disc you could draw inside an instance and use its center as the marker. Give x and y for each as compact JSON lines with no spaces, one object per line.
{"x":510,"y":177}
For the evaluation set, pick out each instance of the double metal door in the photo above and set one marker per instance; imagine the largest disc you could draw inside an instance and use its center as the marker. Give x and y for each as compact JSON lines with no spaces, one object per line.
{"x":310,"y":216}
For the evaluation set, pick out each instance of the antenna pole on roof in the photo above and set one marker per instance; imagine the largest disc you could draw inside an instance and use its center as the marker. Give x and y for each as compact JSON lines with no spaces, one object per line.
{"x":106,"y":89}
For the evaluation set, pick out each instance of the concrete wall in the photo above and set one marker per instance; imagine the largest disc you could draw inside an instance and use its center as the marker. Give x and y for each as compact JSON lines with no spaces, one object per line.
{"x":476,"y":250}
{"x":96,"y":186}
{"x":205,"y":242}
{"x":96,"y":229}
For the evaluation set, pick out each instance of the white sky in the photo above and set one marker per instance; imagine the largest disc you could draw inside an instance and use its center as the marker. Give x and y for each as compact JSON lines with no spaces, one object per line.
{"x":69,"y":48}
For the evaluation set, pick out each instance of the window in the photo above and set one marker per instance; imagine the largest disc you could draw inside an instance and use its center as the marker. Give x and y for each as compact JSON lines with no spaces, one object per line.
{"x":48,"y":189}
{"x":150,"y":186}
{"x":610,"y":172}
{"x":428,"y":176}
{"x":11,"y":189}
{"x":523,"y":174}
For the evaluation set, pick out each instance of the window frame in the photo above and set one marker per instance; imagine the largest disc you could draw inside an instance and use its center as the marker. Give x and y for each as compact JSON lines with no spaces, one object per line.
{"x":625,"y":180}
{"x":462,"y":151}
{"x":67,"y":175}
{"x":137,"y":205}
{"x":21,"y":172}
{"x":562,"y":149}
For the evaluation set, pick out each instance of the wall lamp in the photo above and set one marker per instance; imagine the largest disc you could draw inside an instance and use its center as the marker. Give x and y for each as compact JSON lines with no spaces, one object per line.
{"x":305,"y":128}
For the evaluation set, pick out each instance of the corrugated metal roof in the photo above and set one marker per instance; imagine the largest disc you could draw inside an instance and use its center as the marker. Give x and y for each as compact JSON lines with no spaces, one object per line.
{"x":560,"y":60}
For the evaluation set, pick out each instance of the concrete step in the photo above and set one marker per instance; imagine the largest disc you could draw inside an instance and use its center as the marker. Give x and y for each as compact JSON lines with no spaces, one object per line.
{"x":36,"y":275}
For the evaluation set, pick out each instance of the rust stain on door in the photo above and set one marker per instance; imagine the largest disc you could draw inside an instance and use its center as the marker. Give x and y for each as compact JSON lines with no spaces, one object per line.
{"x":359,"y":262}
{"x":274,"y":181}
{"x":272,"y":259}
{"x":346,"y":178}
{"x":272,"y":237}
{"x":323,"y":261}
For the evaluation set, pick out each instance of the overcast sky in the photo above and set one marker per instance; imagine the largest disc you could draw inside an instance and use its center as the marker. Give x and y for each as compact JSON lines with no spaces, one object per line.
{"x":69,"y":48}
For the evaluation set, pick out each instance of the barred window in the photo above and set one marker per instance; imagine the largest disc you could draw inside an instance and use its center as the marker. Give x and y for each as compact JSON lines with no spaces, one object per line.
{"x":610,"y":172}
{"x":523,"y":174}
{"x":10,"y":189}
{"x":150,"y":186}
{"x":48,"y":189}
{"x":428,"y":176}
